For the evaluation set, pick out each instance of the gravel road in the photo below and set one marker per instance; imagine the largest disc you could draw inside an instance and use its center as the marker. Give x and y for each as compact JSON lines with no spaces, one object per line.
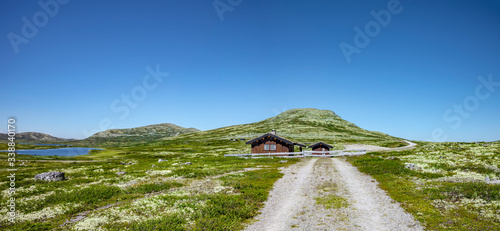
{"x":373,"y":148}
{"x":292,"y":202}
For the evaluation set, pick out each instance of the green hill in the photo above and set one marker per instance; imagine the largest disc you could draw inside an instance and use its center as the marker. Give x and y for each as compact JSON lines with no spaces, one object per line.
{"x":131,"y":136}
{"x":301,"y":125}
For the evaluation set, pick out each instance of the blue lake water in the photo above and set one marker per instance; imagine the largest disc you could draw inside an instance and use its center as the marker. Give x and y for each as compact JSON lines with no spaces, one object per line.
{"x":56,"y":152}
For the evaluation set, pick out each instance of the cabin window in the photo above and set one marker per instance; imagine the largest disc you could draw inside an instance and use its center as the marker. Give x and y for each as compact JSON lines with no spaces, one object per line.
{"x":273,"y":146}
{"x":266,"y":146}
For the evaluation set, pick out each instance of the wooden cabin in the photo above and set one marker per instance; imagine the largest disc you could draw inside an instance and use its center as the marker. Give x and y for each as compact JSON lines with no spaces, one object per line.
{"x":320,"y":146}
{"x":272,"y":143}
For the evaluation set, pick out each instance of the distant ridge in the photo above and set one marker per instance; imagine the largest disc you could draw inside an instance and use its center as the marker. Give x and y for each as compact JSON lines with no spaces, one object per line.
{"x":31,"y":137}
{"x":165,"y":129}
{"x":118,"y":137}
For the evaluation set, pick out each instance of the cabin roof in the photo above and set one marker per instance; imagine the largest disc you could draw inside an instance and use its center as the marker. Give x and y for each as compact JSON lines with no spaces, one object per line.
{"x":323,"y":144}
{"x":276,"y":137}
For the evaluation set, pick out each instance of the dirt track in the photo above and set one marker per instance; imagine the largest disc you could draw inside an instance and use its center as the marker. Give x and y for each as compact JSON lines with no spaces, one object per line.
{"x":292,"y":203}
{"x":372,"y":148}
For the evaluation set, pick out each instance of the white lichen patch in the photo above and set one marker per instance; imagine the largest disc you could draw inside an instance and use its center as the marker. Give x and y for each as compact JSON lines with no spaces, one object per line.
{"x":159,"y":172}
{"x":126,"y":184}
{"x":86,"y":185}
{"x":141,"y":179}
{"x":140,"y":210}
{"x":223,"y":188}
{"x":179,"y":193}
{"x":479,"y":206}
{"x":444,"y":204}
{"x":74,"y":170}
{"x":462,"y":156}
{"x":164,"y":153}
{"x":152,"y":203}
{"x":128,"y":215}
{"x":129,"y":180}
{"x":35,"y":197}
{"x":45,"y":213}
{"x":462,"y":177}
{"x":92,"y":223}
{"x":30,"y":189}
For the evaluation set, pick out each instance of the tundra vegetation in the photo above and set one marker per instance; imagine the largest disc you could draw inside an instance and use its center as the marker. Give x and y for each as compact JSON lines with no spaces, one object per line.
{"x":451,"y":186}
{"x":446,"y":189}
{"x":212,"y":192}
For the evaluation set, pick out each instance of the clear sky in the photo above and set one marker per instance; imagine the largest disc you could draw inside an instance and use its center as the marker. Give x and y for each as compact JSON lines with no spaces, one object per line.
{"x":421,"y":69}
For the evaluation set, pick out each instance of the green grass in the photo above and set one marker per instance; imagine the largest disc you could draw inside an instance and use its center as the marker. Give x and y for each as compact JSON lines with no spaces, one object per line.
{"x":332,"y":201}
{"x":166,"y":223}
{"x":89,"y":196}
{"x":152,"y":187}
{"x":228,"y":212}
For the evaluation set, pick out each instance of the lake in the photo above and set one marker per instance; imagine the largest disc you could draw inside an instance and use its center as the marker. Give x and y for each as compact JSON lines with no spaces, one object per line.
{"x":56,"y":152}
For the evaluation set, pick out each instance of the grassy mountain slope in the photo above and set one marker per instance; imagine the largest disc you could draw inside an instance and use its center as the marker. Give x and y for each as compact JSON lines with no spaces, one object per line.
{"x":128,"y":136}
{"x":301,"y":125}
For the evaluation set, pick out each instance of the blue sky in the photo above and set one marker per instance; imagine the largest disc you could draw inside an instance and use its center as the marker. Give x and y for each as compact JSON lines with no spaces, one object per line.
{"x":84,"y":67}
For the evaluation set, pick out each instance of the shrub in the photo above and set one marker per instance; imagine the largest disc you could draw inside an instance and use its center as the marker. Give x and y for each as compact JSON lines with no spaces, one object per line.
{"x":152,"y":187}
{"x":90,"y":196}
{"x":167,"y":223}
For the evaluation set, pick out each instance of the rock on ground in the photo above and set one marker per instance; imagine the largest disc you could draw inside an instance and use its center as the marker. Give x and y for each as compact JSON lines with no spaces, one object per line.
{"x":50,"y":176}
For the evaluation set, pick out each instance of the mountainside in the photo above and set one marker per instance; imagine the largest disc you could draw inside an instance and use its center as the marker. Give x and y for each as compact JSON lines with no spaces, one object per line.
{"x":143,"y":134}
{"x":305,"y":125}
{"x":301,"y":125}
{"x":165,"y":129}
{"x":34,"y":137}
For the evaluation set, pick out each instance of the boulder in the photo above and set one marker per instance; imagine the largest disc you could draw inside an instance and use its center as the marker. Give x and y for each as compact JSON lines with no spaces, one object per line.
{"x":161,"y":160}
{"x":120,"y":173}
{"x":50,"y":176}
{"x":187,"y":163}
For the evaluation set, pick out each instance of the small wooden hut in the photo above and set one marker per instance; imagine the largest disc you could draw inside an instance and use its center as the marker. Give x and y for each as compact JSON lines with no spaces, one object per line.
{"x":272,"y":143}
{"x":321,"y":147}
